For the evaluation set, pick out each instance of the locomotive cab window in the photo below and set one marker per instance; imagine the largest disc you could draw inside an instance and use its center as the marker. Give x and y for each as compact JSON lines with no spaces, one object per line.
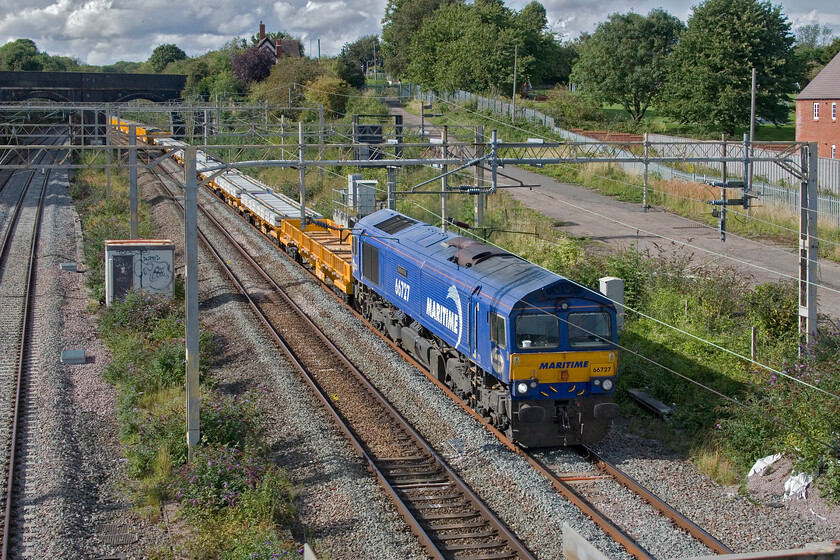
{"x":589,"y":330}
{"x":537,"y":330}
{"x":498,"y":332}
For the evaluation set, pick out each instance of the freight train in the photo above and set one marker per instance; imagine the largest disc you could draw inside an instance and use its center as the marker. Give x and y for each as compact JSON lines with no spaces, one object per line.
{"x":529,"y":350}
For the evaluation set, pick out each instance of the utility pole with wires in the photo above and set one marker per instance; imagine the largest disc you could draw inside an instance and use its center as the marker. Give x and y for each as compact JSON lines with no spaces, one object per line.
{"x":808,"y":246}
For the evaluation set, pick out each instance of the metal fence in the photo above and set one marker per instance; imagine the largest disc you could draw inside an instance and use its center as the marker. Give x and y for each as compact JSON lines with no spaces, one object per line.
{"x":771,"y":182}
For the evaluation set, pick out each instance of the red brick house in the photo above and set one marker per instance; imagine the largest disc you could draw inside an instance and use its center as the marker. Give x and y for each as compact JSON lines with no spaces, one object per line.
{"x":279,"y":49}
{"x":816,"y":110}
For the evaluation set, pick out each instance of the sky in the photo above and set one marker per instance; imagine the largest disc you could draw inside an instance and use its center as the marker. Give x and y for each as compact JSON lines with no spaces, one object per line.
{"x":104,"y":31}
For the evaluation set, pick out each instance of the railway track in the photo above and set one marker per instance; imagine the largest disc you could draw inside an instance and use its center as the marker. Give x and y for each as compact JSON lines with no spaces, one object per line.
{"x":583,"y":489}
{"x":18,"y":257}
{"x":569,"y":485}
{"x":446,"y":516}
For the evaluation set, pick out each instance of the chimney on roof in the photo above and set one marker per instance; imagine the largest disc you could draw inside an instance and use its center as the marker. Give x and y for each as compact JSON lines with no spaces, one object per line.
{"x":262,"y":31}
{"x":278,"y":48}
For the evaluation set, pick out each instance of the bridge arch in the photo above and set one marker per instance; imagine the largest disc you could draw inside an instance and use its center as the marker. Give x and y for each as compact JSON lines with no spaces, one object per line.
{"x":41,"y":94}
{"x":147,"y":95}
{"x":90,"y":87}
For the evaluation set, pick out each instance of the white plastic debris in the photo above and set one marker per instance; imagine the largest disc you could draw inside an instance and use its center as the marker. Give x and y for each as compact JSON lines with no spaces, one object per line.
{"x":762,"y":464}
{"x":797,"y":486}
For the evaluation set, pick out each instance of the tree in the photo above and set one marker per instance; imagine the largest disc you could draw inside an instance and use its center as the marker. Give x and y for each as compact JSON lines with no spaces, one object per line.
{"x":252,"y":65}
{"x":283,"y":84}
{"x":831,"y":50}
{"x":403,"y":19}
{"x":364,"y":52}
{"x":711,"y":67}
{"x":121,"y":67}
{"x":329,"y":91}
{"x":624,"y":61}
{"x":163,"y":55}
{"x":813,"y":35}
{"x":350,"y":70}
{"x":551,"y":61}
{"x":21,"y":54}
{"x":469,"y":47}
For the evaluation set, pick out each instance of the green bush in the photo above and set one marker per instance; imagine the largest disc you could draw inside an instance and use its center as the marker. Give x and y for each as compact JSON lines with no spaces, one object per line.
{"x":230,"y":420}
{"x":568,"y":109}
{"x":140,"y":312}
{"x":217,"y":478}
{"x":774,"y":309}
{"x":163,"y":430}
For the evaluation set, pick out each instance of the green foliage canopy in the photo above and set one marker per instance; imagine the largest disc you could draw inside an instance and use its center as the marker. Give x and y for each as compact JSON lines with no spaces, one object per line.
{"x":624,"y":61}
{"x":23,"y":54}
{"x":711,"y":67}
{"x":472,"y":47}
{"x":163,"y":55}
{"x":331,"y":92}
{"x":403,"y":19}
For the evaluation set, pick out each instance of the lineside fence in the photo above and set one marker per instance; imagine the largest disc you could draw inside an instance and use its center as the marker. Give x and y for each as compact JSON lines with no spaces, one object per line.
{"x":772,"y":183}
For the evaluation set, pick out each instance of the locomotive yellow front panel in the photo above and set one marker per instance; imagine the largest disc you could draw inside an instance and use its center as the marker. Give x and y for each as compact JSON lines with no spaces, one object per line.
{"x":563,"y":367}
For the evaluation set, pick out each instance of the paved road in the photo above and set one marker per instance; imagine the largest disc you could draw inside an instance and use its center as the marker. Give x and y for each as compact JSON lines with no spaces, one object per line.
{"x":620,"y":225}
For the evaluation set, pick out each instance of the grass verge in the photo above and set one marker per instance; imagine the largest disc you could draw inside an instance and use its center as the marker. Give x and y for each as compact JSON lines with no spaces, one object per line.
{"x":235,"y":502}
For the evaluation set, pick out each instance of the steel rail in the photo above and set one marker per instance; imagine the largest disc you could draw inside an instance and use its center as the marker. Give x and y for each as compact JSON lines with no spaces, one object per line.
{"x":566,"y":490}
{"x":33,"y":247}
{"x":678,"y":518}
{"x":561,"y":485}
{"x":519,"y":550}
{"x":7,"y":235}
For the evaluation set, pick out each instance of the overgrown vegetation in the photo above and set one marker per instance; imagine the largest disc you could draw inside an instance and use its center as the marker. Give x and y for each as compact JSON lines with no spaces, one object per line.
{"x":236,"y":500}
{"x":687,"y":338}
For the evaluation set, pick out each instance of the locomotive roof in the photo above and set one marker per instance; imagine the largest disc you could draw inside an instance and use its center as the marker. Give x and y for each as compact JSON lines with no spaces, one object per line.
{"x":502,"y":276}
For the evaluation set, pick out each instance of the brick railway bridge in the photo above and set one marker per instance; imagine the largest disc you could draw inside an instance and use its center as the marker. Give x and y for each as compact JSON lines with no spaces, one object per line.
{"x":89,"y":88}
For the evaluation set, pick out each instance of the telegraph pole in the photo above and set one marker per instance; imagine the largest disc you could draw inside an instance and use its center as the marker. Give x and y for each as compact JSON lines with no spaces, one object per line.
{"x":132,"y":180}
{"x":808,"y":244}
{"x":191,"y":296}
{"x":444,"y":183}
{"x":513,"y":97}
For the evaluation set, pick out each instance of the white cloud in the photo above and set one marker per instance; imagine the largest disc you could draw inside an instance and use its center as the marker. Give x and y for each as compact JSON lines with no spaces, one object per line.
{"x":104,"y":31}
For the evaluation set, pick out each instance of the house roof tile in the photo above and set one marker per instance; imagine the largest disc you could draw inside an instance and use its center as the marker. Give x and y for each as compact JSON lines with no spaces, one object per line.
{"x":826,"y":84}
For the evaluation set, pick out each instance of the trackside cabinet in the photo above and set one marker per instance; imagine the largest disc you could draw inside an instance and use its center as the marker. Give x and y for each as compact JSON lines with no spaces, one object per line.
{"x":140,"y":264}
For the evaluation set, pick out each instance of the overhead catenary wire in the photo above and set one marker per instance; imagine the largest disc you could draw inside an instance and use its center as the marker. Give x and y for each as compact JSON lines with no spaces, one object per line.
{"x":750,"y":360}
{"x":513,"y":127}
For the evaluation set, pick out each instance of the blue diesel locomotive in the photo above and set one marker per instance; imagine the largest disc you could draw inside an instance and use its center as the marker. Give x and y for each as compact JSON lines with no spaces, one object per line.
{"x":528,"y":349}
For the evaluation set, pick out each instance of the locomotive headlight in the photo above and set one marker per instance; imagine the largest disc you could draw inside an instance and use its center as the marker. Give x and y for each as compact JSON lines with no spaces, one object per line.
{"x":607,"y":384}
{"x":522,"y":388}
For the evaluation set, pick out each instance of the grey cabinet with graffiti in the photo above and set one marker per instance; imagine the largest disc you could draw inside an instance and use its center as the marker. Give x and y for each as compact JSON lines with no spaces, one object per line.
{"x":140,"y":264}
